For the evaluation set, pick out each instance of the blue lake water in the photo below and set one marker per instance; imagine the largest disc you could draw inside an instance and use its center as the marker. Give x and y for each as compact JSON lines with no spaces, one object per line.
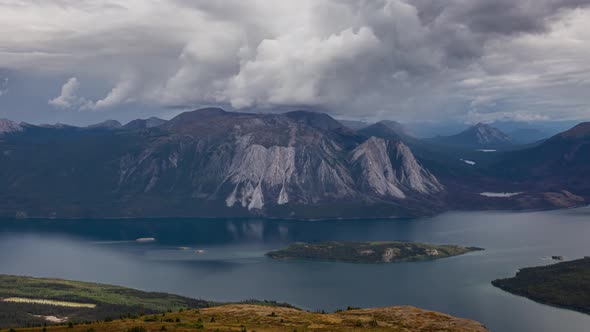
{"x":233,"y":267}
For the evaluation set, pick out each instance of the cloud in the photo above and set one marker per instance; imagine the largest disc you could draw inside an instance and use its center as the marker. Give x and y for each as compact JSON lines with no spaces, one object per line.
{"x":516,"y":116}
{"x":291,"y":69}
{"x":118,"y":95}
{"x":397,"y":59}
{"x":68,"y":98}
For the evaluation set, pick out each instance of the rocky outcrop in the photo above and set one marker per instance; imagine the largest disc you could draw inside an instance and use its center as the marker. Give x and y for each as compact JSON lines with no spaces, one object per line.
{"x":7,"y":126}
{"x":243,"y":163}
{"x":260,"y":161}
{"x":479,"y":136}
{"x":390,"y":169}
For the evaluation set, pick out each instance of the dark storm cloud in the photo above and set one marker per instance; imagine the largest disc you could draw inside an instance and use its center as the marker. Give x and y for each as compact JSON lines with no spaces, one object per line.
{"x":364,"y":59}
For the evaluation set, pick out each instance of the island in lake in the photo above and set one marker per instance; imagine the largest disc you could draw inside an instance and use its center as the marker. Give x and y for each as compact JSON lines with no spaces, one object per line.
{"x":369,"y":252}
{"x":565,"y":284}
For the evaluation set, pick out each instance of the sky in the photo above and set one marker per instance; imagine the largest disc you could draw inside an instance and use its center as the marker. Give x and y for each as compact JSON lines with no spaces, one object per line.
{"x":464,"y":61}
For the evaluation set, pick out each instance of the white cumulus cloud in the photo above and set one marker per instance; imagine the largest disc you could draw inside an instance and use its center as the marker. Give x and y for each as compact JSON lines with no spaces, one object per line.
{"x":396,"y":59}
{"x":68,"y":98}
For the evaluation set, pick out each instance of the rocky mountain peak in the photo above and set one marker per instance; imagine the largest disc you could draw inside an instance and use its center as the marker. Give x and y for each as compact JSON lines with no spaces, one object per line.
{"x":7,"y":126}
{"x":386,"y":129}
{"x":480,"y":135}
{"x":579,"y":131}
{"x":314,"y":119}
{"x":108,"y":124}
{"x":485,"y":134}
{"x":388,"y":168}
{"x":145,"y":123}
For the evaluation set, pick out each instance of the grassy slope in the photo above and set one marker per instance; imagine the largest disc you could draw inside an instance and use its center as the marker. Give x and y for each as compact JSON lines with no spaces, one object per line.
{"x":565,"y":284}
{"x":267,"y":319}
{"x":85,"y":292}
{"x":155,"y":310}
{"x":367,"y":252}
{"x":111,"y":301}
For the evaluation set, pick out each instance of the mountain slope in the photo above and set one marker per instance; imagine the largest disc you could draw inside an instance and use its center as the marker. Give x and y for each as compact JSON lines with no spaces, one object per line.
{"x":527,"y":135}
{"x":7,"y":126}
{"x":478,"y":136}
{"x":108,"y":124}
{"x":387,"y":129}
{"x":214,"y":163}
{"x":561,"y":162}
{"x":265,"y":318}
{"x":144,"y":123}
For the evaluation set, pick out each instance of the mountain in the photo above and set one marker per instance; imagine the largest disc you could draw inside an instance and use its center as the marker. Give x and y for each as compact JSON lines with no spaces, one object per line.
{"x":144,"y":123}
{"x":527,"y":135}
{"x":355,"y":125}
{"x":479,"y":136}
{"x":314,"y":119}
{"x":108,"y":124}
{"x":215,"y":163}
{"x":7,"y":126}
{"x":560,"y":163}
{"x":57,"y":126}
{"x":387,"y":129}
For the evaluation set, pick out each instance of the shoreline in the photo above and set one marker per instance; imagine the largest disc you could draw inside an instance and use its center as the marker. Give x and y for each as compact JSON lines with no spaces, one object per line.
{"x":426,"y":216}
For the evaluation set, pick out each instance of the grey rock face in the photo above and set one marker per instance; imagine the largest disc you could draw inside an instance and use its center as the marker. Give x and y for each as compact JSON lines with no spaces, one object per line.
{"x":486,"y":134}
{"x":390,"y":169}
{"x":478,"y":136}
{"x":213,"y":162}
{"x":7,"y":126}
{"x":262,"y":161}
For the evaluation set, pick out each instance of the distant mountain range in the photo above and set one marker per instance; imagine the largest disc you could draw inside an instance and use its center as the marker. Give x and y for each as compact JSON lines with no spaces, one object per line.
{"x":563,"y":161}
{"x":479,"y":136}
{"x":212,"y":163}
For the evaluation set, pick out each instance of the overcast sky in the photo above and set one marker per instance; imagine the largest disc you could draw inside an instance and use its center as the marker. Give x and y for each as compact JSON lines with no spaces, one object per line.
{"x":81,"y":61}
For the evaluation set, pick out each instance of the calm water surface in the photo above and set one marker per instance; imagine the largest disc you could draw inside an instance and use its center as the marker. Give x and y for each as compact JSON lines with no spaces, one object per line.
{"x":233,"y":267}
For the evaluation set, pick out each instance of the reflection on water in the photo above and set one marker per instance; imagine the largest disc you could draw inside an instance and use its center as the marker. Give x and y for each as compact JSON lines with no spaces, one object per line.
{"x":224,"y":260}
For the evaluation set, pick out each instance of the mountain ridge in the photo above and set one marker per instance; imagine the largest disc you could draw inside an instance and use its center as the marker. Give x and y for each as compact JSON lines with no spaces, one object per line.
{"x":300,"y":165}
{"x":478,"y":136}
{"x":212,"y":162}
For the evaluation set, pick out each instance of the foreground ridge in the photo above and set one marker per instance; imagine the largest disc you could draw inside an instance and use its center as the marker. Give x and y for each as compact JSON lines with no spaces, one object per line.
{"x":245,"y":317}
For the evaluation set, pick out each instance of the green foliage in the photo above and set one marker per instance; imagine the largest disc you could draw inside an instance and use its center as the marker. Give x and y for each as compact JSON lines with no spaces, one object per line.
{"x":368,"y":252}
{"x":110,"y":301}
{"x":565,"y":284}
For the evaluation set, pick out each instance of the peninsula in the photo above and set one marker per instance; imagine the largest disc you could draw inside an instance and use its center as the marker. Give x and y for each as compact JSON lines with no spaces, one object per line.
{"x":565,"y":284}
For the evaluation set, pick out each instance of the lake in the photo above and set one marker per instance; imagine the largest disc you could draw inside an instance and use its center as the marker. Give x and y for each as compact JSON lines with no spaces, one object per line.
{"x":223,"y":260}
